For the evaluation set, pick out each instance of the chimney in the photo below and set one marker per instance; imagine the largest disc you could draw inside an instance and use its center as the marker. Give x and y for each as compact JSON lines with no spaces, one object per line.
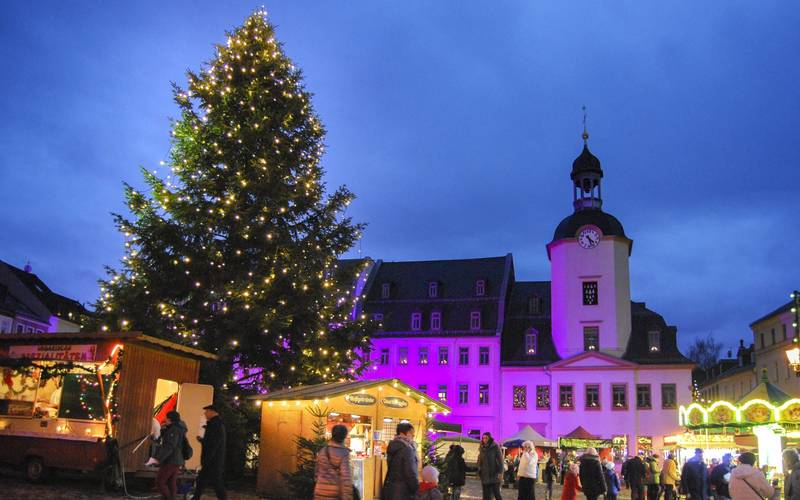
{"x":28,"y":267}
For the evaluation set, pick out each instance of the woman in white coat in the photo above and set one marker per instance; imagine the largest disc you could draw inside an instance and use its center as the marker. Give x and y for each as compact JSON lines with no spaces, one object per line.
{"x":527,"y":472}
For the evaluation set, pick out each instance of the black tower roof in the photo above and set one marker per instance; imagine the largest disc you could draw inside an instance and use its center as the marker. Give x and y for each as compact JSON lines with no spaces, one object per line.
{"x":586,"y":162}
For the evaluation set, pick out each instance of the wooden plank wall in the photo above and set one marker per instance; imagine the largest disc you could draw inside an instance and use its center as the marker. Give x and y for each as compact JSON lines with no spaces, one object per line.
{"x":142,"y":366}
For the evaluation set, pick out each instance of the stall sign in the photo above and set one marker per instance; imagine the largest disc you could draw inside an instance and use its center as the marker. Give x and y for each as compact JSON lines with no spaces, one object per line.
{"x":56,"y":352}
{"x":394,"y":402}
{"x":361,"y":399}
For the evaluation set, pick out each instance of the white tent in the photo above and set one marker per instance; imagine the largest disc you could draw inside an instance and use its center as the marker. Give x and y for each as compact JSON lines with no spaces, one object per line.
{"x":528,"y":433}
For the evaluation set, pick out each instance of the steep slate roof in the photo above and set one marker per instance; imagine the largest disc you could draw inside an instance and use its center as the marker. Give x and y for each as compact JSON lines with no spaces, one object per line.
{"x":643,"y":320}
{"x":49,"y":302}
{"x":782,"y":309}
{"x":456,"y":294}
{"x":608,"y":224}
{"x":519,"y":321}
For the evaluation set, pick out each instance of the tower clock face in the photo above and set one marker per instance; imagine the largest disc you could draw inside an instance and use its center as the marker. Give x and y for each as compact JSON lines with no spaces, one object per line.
{"x":589,"y":237}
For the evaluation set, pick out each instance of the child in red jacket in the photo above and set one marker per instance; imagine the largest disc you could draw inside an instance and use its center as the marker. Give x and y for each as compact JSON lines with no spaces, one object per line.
{"x":572,"y":483}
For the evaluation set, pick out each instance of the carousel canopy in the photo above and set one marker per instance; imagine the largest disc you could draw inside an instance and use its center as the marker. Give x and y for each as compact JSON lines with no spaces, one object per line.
{"x":528,"y":433}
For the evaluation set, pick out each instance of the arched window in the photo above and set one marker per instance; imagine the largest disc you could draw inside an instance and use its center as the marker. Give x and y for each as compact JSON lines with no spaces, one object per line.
{"x":531,"y":342}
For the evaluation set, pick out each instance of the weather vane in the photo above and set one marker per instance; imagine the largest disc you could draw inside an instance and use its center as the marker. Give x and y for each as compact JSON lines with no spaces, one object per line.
{"x":585,"y":134}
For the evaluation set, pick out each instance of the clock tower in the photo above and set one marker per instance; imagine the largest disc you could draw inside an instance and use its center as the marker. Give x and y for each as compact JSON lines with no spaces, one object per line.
{"x":590,"y":281}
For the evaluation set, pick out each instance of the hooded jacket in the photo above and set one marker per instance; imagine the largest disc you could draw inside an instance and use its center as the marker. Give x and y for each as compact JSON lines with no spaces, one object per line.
{"x":171,"y":449}
{"x":746,"y":480}
{"x":401,"y":481}
{"x":591,"y":474}
{"x":332,"y":474}
{"x":457,"y":468}
{"x":490,"y":463}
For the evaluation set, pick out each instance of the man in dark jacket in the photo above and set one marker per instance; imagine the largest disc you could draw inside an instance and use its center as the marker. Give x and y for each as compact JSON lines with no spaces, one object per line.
{"x":718,"y":480}
{"x":212,"y":457}
{"x":170,"y":455}
{"x":456,"y":472}
{"x":694,"y":480}
{"x":634,"y":471}
{"x":401,"y":481}
{"x":490,"y":467}
{"x":591,"y":473}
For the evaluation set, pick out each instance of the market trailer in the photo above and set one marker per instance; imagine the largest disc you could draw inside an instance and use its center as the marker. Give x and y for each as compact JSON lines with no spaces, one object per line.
{"x":68,"y":400}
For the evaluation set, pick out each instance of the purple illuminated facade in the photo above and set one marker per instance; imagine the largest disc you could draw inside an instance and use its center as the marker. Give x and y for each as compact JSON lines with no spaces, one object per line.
{"x":555,"y":354}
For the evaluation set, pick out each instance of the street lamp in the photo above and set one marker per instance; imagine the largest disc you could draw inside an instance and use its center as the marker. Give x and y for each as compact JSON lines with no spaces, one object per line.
{"x":793,"y":354}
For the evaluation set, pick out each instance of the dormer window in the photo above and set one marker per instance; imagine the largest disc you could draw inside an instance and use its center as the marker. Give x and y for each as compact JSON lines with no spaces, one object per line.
{"x":480,"y":288}
{"x":433,"y":289}
{"x":535,"y":305}
{"x":654,"y":341}
{"x":416,"y":321}
{"x":386,"y":290}
{"x":530,"y":343}
{"x":475,"y":320}
{"x":436,"y":321}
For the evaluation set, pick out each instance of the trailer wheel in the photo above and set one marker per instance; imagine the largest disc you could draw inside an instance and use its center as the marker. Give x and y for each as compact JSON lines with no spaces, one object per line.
{"x":35,"y":471}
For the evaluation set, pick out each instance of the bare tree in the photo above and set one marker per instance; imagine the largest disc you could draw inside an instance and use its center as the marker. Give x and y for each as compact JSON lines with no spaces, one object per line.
{"x":705,"y":352}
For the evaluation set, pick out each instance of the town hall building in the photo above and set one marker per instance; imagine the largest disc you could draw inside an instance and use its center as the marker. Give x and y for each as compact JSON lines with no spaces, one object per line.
{"x":555,"y":355}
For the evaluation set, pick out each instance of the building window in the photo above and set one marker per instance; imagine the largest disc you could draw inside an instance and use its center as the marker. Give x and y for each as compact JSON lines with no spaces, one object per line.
{"x":433,"y":289}
{"x":444,"y":357}
{"x":386,"y":290}
{"x":530,"y":343}
{"x":384,"y":357}
{"x":520,"y":397}
{"x":441,"y":394}
{"x":483,"y":394}
{"x":402,"y":355}
{"x":619,"y":395}
{"x":416,"y":321}
{"x":377,"y":316}
{"x":483,"y":356}
{"x":463,"y":394}
{"x":590,"y":293}
{"x":654,"y":341}
{"x":475,"y":320}
{"x":668,"y":396}
{"x":591,"y":338}
{"x":592,"y":396}
{"x":463,"y":356}
{"x":423,"y":355}
{"x":566,"y":397}
{"x":535,"y":305}
{"x":543,"y":397}
{"x":20,"y":328}
{"x":480,"y":288}
{"x":643,"y":397}
{"x":436,"y":321}
{"x":423,"y":388}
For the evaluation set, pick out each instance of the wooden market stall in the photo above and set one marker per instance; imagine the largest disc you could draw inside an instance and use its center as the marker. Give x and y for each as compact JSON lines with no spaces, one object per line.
{"x":371,"y":409}
{"x":71,"y":400}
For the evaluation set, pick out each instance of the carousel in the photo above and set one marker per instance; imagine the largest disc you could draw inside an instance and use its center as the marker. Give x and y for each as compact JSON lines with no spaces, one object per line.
{"x":765,"y":421}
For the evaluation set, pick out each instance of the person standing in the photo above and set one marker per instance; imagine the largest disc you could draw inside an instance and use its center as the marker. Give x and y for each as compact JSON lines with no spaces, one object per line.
{"x":490,"y":467}
{"x":550,"y":474}
{"x":653,"y":474}
{"x":527,"y":472}
{"x":694,"y":480}
{"x":747,"y":482}
{"x":791,"y":479}
{"x":634,"y":471}
{"x":572,"y":483}
{"x":591,"y":473}
{"x":719,"y":478}
{"x":170,"y":455}
{"x":333,"y":480}
{"x":212,"y":456}
{"x":669,"y":477}
{"x":456,"y":472}
{"x":612,"y":481}
{"x":401,"y":481}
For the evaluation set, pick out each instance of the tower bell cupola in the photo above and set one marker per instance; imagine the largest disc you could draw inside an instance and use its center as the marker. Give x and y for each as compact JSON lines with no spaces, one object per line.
{"x":586,"y":175}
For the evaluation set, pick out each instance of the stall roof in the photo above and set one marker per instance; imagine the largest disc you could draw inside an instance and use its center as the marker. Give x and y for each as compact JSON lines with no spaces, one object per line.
{"x":333,"y":389}
{"x":439,"y":426}
{"x":29,"y":338}
{"x":528,"y":433}
{"x":580,"y":433}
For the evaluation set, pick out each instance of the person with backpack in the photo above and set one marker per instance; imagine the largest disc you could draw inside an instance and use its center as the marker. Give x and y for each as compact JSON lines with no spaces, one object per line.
{"x":333,"y":480}
{"x":748,"y":482}
{"x":456,"y":472}
{"x":170,"y":455}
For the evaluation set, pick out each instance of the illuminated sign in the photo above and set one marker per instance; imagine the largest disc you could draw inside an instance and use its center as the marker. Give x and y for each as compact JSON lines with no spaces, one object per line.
{"x":393,"y":402}
{"x":361,"y":399}
{"x":56,"y":352}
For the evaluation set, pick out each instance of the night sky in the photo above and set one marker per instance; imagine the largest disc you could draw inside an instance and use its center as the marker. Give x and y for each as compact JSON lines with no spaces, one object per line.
{"x":455,"y":123}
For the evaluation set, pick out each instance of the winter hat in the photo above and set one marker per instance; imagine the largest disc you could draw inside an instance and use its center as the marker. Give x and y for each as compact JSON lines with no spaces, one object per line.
{"x":430,"y":474}
{"x":528,"y":444}
{"x":610,"y":465}
{"x":591,"y":451}
{"x":174,"y":416}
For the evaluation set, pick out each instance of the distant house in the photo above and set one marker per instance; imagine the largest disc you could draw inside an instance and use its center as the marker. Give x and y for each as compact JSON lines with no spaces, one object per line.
{"x":27,"y":305}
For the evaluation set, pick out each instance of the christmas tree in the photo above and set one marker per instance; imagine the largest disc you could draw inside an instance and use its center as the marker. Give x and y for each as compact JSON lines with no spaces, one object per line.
{"x":233,"y":249}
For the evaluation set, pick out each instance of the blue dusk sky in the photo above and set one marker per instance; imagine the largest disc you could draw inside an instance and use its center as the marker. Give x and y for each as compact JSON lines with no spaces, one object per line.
{"x":454,"y":122}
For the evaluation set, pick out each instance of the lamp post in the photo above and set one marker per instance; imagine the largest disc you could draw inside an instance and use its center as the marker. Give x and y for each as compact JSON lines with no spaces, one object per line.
{"x":793,"y":353}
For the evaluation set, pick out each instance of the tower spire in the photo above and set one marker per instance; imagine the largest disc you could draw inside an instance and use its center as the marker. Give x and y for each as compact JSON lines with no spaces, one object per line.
{"x":585,"y":134}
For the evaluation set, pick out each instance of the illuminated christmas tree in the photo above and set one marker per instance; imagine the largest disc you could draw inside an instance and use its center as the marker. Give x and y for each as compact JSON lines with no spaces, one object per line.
{"x":234,"y":247}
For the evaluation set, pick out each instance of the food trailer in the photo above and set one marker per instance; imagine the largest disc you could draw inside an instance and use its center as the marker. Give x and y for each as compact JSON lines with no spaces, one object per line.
{"x":86,"y":401}
{"x":371,"y":410}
